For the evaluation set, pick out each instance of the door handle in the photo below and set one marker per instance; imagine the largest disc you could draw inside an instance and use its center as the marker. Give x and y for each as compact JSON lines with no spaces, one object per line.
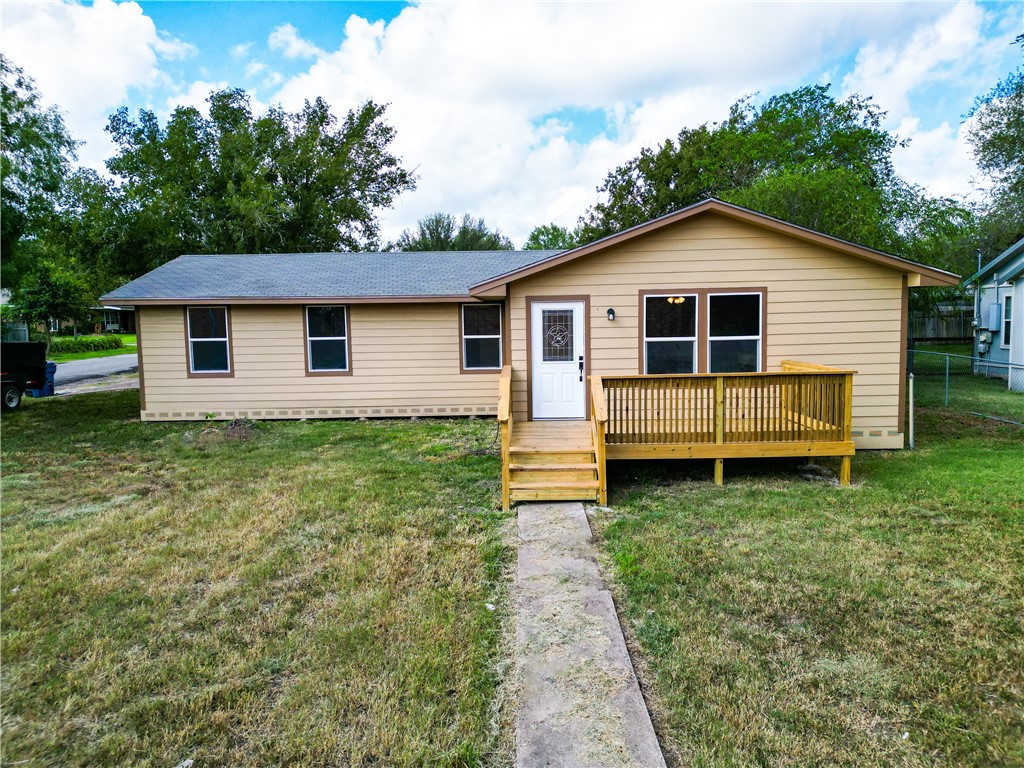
{"x":581,"y":367}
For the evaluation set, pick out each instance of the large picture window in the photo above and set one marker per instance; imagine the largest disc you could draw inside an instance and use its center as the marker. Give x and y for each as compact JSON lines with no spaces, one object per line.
{"x":481,"y":337}
{"x":670,"y":333}
{"x":327,"y":339}
{"x":209,"y":347}
{"x":702,"y":330}
{"x":734,"y":332}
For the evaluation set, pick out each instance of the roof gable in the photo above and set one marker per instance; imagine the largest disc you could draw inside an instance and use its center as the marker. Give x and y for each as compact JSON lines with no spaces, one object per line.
{"x":1008,"y":264}
{"x":924,"y":274}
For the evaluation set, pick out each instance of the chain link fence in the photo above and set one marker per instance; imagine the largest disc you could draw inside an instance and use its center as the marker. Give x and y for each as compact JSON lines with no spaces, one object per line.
{"x":968,"y":384}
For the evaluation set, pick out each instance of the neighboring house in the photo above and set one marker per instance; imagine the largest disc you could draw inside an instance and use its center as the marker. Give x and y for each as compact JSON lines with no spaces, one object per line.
{"x":711,"y":288}
{"x":999,"y":316}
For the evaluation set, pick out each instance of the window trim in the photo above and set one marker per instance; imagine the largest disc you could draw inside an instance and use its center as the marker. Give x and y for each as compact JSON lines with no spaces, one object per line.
{"x":761,"y":324}
{"x":230,"y":372}
{"x":643,"y":329}
{"x":703,"y":325}
{"x":1006,"y":324}
{"x":306,"y":339}
{"x":502,"y":336}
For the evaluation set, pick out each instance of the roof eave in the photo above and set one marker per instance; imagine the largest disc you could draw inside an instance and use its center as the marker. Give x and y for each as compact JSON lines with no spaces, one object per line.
{"x":180,"y":300}
{"x":1010,"y":253}
{"x":929,"y":275}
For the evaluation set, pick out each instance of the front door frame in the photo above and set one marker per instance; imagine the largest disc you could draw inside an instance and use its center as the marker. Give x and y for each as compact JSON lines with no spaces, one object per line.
{"x":585,"y":298}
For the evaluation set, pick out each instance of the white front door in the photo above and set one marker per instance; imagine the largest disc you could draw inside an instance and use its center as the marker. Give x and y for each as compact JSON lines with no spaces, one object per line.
{"x":557,"y":365}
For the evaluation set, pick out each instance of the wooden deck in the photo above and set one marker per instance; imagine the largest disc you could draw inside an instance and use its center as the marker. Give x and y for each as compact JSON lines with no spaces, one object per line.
{"x":804,"y":410}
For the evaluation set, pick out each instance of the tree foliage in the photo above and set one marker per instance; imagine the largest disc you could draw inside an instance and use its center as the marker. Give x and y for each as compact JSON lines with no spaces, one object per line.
{"x":803,"y":157}
{"x":235,"y":182}
{"x":36,"y":151}
{"x":996,"y":134}
{"x":53,"y":290}
{"x":548,"y":237}
{"x":442,"y":232}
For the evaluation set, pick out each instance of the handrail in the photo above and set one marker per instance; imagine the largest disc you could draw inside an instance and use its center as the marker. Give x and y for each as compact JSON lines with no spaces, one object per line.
{"x":793,"y":406}
{"x":598,"y":427}
{"x":505,"y":425}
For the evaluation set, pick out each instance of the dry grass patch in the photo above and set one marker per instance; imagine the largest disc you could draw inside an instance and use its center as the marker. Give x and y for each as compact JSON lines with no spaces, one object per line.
{"x":784,"y":621}
{"x":285,"y":593}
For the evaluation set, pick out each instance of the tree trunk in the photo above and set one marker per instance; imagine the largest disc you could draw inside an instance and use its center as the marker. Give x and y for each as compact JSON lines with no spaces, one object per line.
{"x":49,"y":336}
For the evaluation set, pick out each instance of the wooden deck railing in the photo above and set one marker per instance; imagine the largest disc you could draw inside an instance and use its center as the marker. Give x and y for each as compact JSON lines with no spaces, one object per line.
{"x":599,"y":425}
{"x":505,"y":424}
{"x":804,"y":410}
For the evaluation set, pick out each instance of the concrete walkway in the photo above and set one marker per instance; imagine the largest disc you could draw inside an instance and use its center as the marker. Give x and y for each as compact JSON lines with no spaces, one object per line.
{"x":580,"y":703}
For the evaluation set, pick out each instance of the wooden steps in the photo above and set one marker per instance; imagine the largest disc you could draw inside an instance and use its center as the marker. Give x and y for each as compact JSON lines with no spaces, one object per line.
{"x":553,"y":461}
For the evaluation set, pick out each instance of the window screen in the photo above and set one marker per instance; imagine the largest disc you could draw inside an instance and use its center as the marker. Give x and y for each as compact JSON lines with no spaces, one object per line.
{"x":208,"y":340}
{"x":670,"y":334}
{"x":734,"y":332}
{"x":327,"y":338}
{"x":481,"y":336}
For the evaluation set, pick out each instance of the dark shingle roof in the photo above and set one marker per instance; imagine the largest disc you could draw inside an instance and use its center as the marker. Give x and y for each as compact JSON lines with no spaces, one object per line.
{"x":323,"y":275}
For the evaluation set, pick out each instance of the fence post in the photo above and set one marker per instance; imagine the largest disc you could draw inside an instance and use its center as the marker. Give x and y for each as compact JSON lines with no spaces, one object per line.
{"x":910,"y":395}
{"x":947,"y":381}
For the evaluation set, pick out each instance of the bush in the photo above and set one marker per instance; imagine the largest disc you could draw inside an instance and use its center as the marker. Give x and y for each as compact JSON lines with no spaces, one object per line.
{"x":85,"y":344}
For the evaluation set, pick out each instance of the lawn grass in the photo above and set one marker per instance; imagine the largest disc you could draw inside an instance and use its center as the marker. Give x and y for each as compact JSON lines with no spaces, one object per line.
{"x":965,"y":392}
{"x":784,"y":621}
{"x":130,"y":347}
{"x":300,"y":593}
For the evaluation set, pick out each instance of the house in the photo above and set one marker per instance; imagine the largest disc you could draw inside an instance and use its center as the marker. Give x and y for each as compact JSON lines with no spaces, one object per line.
{"x":998,"y":296}
{"x":712,"y":289}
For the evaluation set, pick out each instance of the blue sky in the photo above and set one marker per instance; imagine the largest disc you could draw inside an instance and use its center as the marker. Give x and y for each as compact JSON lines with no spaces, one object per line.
{"x":515,"y":110}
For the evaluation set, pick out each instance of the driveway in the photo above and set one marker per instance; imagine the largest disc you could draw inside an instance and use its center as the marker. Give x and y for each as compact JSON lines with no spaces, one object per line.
{"x":97,"y":367}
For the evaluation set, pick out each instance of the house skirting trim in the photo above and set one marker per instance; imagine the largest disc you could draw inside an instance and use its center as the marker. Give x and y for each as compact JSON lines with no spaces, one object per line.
{"x":317,"y":413}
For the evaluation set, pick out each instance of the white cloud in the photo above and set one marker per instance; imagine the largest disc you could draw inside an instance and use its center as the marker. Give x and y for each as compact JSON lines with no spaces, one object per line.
{"x":240,"y":51}
{"x":253,"y":68}
{"x":87,"y":59}
{"x":938,"y":159}
{"x":470,"y":86}
{"x":285,"y":38}
{"x":935,"y":53}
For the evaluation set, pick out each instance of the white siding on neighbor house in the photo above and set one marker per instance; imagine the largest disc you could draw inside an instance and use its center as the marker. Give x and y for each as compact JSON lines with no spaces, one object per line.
{"x":404,"y":360}
{"x":822,"y":307}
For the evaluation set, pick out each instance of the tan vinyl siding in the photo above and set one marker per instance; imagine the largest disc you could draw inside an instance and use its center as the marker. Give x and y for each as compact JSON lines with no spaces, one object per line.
{"x":822,"y":306}
{"x":404,"y":359}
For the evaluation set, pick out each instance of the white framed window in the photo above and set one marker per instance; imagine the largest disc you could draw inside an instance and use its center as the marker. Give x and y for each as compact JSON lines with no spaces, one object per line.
{"x":481,"y":337}
{"x":209,"y":347}
{"x":1007,"y":321}
{"x":670,"y":333}
{"x":734,"y":332}
{"x":327,"y":339}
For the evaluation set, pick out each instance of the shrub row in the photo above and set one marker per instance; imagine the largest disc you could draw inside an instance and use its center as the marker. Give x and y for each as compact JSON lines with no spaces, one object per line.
{"x":85,"y":344}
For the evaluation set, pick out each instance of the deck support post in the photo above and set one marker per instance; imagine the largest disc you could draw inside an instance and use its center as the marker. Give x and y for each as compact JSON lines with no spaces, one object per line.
{"x":719,"y":427}
{"x":844,"y":471}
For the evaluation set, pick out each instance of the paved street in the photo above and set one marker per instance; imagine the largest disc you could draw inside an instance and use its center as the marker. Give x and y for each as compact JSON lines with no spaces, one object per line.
{"x":77,"y":370}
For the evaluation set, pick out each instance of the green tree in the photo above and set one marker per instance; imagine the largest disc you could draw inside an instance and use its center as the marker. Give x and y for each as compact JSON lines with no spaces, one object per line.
{"x":52,"y":291}
{"x":548,"y":237}
{"x":235,"y":182}
{"x":35,"y":155}
{"x":441,"y":232}
{"x":996,"y":134}
{"x":801,"y":156}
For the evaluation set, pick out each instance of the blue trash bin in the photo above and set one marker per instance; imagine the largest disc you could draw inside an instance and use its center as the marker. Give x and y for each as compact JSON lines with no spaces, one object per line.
{"x":51,"y":371}
{"x":47,"y":389}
